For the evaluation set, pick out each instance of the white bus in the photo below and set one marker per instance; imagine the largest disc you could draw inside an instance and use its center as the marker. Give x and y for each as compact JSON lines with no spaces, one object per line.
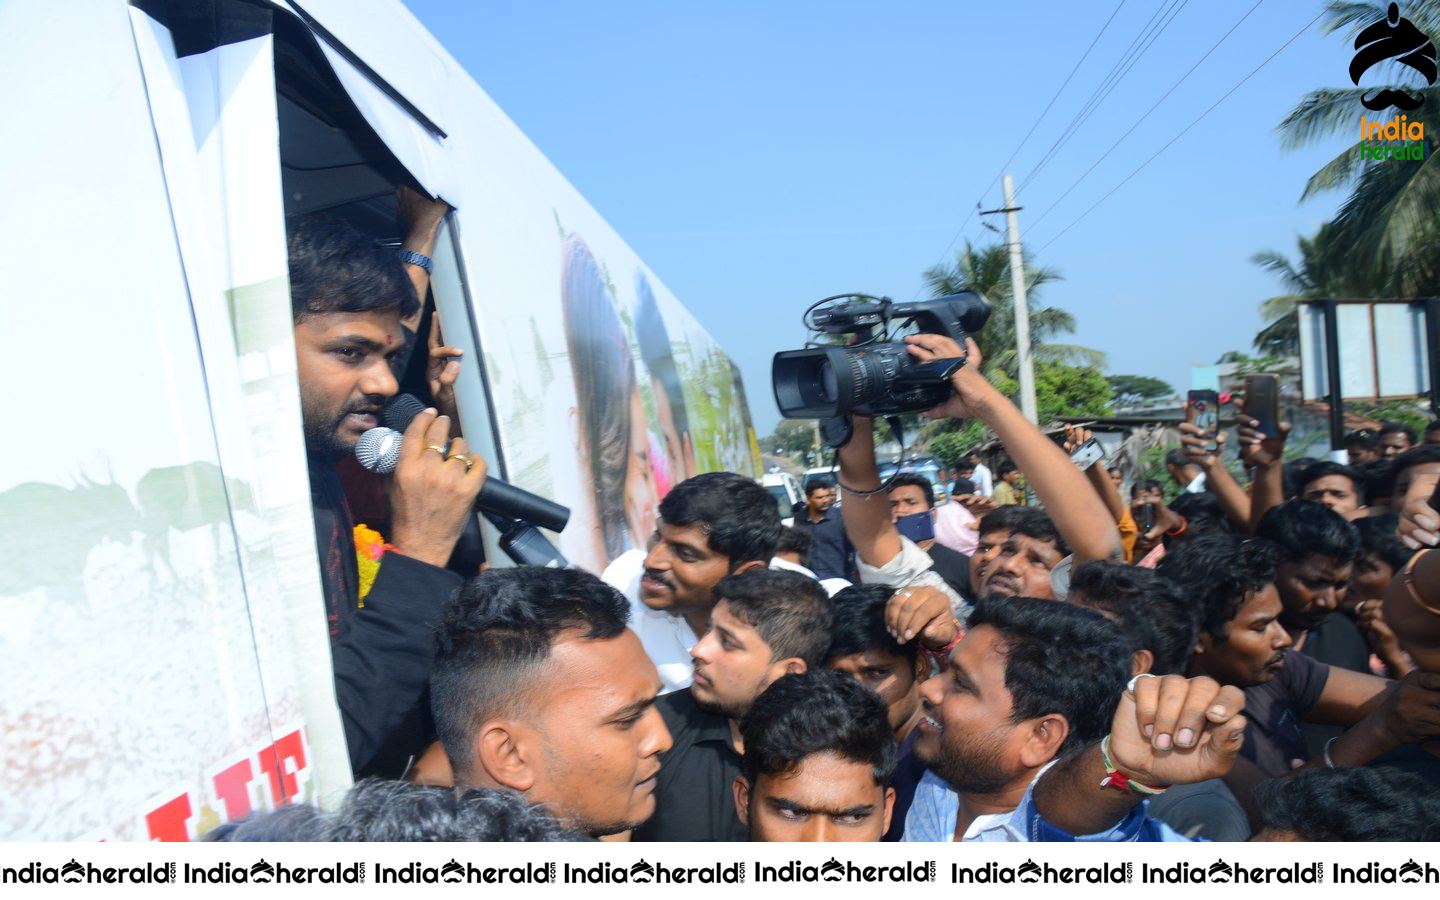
{"x":164,"y":659}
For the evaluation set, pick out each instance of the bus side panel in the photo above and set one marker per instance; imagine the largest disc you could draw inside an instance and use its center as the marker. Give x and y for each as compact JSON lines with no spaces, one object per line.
{"x":131,"y":698}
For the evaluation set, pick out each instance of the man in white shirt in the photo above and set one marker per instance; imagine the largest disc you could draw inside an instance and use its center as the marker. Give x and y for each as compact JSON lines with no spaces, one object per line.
{"x":711,"y":526}
{"x":984,"y":479}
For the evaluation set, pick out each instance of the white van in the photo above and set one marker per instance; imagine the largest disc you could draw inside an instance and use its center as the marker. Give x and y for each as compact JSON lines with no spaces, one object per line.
{"x":785,"y":488}
{"x":164,"y":657}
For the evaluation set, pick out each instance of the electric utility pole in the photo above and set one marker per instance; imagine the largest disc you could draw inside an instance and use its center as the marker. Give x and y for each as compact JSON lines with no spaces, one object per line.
{"x":1022,"y":306}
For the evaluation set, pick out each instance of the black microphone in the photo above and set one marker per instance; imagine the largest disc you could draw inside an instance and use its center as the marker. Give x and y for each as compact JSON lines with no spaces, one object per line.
{"x":379,"y":451}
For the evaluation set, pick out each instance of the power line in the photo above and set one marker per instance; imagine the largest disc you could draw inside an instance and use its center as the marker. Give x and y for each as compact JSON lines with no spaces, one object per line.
{"x":1159,"y":21}
{"x":1182,"y":133}
{"x":1145,"y":114}
{"x":1026,"y":138}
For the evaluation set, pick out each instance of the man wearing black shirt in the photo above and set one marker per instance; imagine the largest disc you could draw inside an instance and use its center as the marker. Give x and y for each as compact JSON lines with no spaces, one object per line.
{"x":1242,"y":643}
{"x":348,"y":297}
{"x":766,"y":623}
{"x":913,"y":495}
{"x":819,"y":498}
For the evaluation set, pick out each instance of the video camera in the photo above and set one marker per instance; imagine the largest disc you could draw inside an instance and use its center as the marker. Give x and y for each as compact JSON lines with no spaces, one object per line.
{"x":873,"y":375}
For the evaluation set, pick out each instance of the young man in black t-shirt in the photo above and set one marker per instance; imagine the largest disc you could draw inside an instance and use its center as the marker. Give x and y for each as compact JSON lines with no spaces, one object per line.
{"x":1232,"y":582}
{"x":913,"y":495}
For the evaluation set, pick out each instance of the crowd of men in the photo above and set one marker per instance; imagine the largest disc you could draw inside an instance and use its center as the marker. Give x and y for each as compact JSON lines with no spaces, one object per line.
{"x":1254,"y":660}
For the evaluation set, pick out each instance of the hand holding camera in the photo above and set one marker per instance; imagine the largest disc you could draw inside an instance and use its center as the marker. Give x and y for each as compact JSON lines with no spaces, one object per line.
{"x":971,"y":391}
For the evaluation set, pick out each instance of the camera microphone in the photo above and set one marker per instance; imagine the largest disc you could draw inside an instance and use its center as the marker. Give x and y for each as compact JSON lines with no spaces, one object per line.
{"x":379,"y":451}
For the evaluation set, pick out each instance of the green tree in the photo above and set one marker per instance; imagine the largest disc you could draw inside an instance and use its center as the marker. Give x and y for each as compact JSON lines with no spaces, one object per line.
{"x":791,"y":437}
{"x":1064,"y":391}
{"x":1387,"y":226}
{"x":1131,"y":389}
{"x":987,"y":270}
{"x":1321,"y":271}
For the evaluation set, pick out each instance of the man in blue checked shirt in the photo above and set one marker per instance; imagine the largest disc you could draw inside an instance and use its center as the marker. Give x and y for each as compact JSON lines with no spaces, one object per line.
{"x":1031,"y":733}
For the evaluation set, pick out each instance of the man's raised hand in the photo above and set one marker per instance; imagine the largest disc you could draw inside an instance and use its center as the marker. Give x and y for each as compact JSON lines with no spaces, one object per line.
{"x":1177,"y":730}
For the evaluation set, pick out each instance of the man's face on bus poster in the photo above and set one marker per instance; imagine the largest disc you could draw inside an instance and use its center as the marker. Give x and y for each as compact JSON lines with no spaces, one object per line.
{"x":345,"y":376}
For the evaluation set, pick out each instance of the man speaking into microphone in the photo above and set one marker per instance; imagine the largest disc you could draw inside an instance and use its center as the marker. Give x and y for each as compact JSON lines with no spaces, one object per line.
{"x":348,"y":296}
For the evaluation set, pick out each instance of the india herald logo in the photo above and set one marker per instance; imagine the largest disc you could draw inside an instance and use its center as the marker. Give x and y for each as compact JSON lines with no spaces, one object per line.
{"x":1398,"y":39}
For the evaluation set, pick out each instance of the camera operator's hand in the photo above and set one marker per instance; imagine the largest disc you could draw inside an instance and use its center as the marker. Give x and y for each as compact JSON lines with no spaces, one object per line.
{"x":972,"y":392}
{"x":432,"y":492}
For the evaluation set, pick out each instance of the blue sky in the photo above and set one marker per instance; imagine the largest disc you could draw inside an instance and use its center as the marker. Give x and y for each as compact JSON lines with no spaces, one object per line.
{"x":759,"y":156}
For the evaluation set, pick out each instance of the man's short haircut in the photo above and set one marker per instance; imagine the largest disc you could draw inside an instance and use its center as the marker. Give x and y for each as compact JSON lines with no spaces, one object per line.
{"x":1217,"y":573}
{"x":1005,"y":468}
{"x":1151,"y":610}
{"x":963,"y":485}
{"x":1300,"y":529}
{"x":1059,"y":658}
{"x":738,"y":516}
{"x":1178,"y":459}
{"x":794,"y":540}
{"x":819,"y":483}
{"x":1203,"y":514}
{"x":381,"y":810}
{"x":1363,"y":438}
{"x":790,"y":611}
{"x":820,"y":711}
{"x":1146,"y":484}
{"x":857,"y":624}
{"x":1024,"y":520}
{"x":497,"y":634}
{"x":334,"y":268}
{"x":1317,"y":470}
{"x":1378,"y":536}
{"x":910,"y":479}
{"x":1368,"y":803}
{"x":1398,"y":428}
{"x":965,"y":465}
{"x":974,"y":455}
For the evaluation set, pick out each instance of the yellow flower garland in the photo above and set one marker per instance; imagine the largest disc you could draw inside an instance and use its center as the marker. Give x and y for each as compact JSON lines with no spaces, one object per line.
{"x":369,"y":547}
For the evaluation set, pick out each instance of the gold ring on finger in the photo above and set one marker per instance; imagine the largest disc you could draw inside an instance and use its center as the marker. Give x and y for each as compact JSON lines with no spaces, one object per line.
{"x":438,"y":448}
{"x":463,"y":458}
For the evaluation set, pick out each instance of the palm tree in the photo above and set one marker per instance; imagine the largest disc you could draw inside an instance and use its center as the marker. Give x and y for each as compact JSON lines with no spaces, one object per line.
{"x":987,"y":270}
{"x":1388,"y":222}
{"x":1321,"y":271}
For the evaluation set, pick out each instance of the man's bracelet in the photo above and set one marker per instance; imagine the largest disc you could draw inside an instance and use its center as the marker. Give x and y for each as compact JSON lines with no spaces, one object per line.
{"x":416,"y":259}
{"x":1114,"y":778}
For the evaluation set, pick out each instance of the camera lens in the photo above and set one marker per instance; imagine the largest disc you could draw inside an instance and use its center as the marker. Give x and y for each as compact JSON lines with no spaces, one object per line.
{"x":829,"y":390}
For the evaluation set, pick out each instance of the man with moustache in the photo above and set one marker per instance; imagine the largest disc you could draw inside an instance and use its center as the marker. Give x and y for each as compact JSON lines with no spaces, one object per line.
{"x":1018,"y":548}
{"x":765,"y":624}
{"x":1033,"y":681}
{"x":1242,"y":643}
{"x":711,"y":526}
{"x":348,"y":296}
{"x":1316,"y":555}
{"x":539,"y":687}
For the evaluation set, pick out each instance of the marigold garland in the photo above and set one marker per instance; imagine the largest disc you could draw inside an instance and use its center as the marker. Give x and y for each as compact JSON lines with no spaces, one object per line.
{"x":369,"y":547}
